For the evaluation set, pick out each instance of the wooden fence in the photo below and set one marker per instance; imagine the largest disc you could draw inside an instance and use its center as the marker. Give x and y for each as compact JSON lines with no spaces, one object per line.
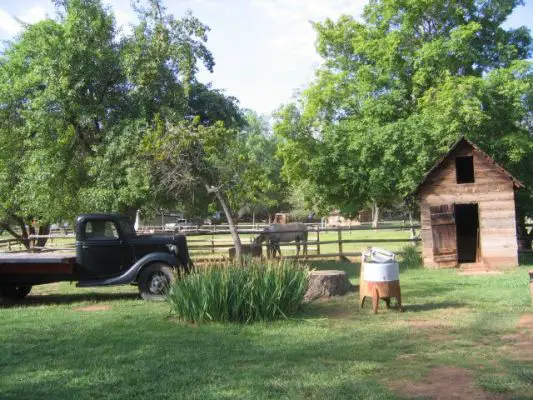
{"x":213,"y":245}
{"x":317,"y":247}
{"x":216,"y":243}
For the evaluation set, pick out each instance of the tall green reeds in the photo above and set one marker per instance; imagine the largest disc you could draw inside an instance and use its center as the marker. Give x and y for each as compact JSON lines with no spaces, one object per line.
{"x":258,"y":291}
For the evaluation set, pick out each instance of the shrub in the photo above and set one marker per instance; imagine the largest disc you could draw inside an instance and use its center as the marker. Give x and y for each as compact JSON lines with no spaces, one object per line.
{"x":258,"y":291}
{"x":412,"y":257}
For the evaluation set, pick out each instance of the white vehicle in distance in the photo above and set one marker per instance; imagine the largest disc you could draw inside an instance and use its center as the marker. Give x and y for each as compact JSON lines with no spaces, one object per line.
{"x":178,"y":225}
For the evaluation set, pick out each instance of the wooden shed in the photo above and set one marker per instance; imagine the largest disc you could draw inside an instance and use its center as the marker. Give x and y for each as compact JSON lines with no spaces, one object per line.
{"x":467,"y":205}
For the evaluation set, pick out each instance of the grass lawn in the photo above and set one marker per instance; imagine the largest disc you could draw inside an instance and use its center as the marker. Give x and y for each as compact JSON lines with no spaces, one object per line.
{"x":472,"y":334}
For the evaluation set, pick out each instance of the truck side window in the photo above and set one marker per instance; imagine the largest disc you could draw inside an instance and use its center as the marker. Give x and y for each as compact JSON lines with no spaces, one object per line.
{"x":101,"y":230}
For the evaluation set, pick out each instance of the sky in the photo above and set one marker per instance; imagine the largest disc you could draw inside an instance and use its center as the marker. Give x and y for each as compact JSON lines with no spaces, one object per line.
{"x":263,"y":49}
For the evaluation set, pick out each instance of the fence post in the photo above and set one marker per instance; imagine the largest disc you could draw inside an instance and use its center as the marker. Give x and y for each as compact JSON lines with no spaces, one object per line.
{"x":318,"y":240}
{"x":339,"y":234}
{"x":212,"y":243}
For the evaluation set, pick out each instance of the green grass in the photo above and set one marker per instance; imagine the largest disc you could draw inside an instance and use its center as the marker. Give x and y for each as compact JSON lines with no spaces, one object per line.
{"x":53,"y":349}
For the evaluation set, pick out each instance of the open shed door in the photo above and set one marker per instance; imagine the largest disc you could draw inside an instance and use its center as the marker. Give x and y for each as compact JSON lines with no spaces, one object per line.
{"x":444,"y":234}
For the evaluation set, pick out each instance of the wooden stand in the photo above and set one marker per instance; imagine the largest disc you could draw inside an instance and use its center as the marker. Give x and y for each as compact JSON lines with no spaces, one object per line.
{"x":379,"y":290}
{"x":327,"y":284}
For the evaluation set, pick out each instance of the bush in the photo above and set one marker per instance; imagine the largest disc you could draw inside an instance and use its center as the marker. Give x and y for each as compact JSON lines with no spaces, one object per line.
{"x":412,"y":257}
{"x":258,"y":291}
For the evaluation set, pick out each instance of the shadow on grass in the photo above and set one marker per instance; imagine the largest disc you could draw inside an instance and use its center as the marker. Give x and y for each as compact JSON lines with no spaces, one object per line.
{"x":432,"y":306}
{"x":227,"y":361}
{"x":54,"y":299}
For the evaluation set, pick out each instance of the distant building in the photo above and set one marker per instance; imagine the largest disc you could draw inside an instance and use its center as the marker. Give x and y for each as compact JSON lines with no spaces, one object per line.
{"x":336,"y":219}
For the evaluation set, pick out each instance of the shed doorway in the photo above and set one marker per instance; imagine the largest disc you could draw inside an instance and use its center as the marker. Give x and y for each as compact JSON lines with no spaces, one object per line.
{"x":467,"y":225}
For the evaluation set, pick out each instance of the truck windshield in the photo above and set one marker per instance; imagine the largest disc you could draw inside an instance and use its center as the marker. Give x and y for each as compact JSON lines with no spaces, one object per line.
{"x":126,"y":227}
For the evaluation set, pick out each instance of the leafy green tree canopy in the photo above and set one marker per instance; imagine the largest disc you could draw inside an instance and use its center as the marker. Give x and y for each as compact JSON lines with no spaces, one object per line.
{"x":396,"y":89}
{"x":77,"y":99}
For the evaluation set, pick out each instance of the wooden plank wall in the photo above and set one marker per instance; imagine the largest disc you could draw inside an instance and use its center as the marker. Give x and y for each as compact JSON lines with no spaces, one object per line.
{"x":492,"y":190}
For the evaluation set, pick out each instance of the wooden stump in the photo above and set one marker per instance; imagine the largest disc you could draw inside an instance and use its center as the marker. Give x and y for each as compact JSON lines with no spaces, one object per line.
{"x":247,"y":249}
{"x":327,"y":283}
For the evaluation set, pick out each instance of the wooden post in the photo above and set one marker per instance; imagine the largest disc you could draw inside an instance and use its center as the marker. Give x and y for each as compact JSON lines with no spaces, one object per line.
{"x":318,"y":240}
{"x":212,"y":243}
{"x":339,"y":234}
{"x":531,"y":284}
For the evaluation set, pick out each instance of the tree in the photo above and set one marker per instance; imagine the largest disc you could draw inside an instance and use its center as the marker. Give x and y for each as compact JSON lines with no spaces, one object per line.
{"x":159,"y":60}
{"x":267,"y":190}
{"x":76,"y":101}
{"x":58,"y":93}
{"x":395,"y":90}
{"x":187,"y":155}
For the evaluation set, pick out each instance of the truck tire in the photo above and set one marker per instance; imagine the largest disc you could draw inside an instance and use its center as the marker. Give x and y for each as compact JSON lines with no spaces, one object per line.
{"x":13,"y":292}
{"x":155,"y":280}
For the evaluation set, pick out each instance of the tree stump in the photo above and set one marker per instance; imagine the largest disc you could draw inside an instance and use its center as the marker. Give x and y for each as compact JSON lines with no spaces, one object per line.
{"x":327,"y":283}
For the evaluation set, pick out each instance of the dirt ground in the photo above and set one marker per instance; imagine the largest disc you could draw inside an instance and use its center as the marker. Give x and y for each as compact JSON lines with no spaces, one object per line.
{"x":520,"y":344}
{"x":452,"y":383}
{"x":445,"y":383}
{"x":96,"y":307}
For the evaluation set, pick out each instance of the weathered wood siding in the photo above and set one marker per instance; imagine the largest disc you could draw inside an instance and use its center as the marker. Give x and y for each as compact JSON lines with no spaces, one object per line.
{"x":492,"y":190}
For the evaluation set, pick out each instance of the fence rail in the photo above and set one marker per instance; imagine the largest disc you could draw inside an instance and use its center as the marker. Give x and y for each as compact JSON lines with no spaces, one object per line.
{"x":215,"y":244}
{"x":212,"y":242}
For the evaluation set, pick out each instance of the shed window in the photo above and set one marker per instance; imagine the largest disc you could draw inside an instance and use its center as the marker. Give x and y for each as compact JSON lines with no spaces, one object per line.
{"x":464,"y":167}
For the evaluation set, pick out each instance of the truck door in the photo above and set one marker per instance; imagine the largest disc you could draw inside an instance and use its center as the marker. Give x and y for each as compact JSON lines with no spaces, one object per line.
{"x":102,"y":252}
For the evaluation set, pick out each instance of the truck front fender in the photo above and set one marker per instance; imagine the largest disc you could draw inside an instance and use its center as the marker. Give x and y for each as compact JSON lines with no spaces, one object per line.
{"x":132,"y":273}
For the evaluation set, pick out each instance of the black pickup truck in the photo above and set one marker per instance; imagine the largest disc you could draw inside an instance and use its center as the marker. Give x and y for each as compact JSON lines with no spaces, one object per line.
{"x":108,"y":252}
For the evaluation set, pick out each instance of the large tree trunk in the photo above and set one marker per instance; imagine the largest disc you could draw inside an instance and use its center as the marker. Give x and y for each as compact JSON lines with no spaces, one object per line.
{"x":131,"y":213}
{"x":44,"y":230}
{"x":375,"y":214}
{"x":231,"y":223}
{"x":22,"y":237}
{"x":24,"y":233}
{"x":413,"y":233}
{"x":27,"y":229}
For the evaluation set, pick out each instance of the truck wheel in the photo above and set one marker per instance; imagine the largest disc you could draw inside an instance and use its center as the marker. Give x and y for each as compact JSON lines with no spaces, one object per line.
{"x":155,"y":280}
{"x":15,"y":292}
